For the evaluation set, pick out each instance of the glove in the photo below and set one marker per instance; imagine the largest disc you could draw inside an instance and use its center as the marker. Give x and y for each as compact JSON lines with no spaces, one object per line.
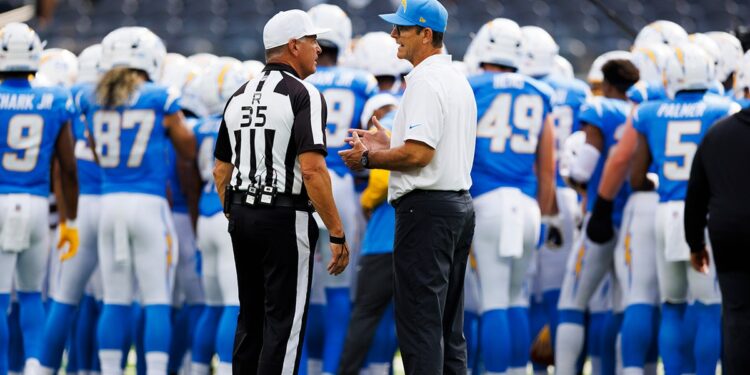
{"x":68,"y":235}
{"x":553,"y":236}
{"x":600,"y":228}
{"x":541,"y":348}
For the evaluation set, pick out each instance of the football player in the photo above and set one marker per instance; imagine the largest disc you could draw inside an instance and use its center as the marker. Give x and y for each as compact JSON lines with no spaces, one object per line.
{"x":595,"y":77}
{"x":346,"y":90}
{"x":188,"y":296}
{"x":602,"y":119}
{"x":513,"y":180}
{"x":218,"y":322}
{"x":730,"y":50}
{"x":666,"y":133}
{"x":132,"y":119}
{"x":75,"y":272}
{"x":34,"y":127}
{"x":539,"y":51}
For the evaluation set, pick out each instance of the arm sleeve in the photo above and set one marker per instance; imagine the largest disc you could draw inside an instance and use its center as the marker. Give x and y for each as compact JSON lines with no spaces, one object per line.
{"x":310,"y":117}
{"x":377,"y":189}
{"x":423,"y":114}
{"x":696,"y":202}
{"x":223,"y":150}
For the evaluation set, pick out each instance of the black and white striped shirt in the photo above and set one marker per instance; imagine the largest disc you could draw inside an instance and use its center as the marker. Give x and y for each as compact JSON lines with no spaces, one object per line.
{"x":267,"y":123}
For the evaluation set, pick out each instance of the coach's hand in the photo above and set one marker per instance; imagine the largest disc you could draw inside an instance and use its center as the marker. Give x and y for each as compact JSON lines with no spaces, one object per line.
{"x":699,"y":260}
{"x":374,"y":139}
{"x":339,"y":258}
{"x":68,"y":235}
{"x":353,"y":156}
{"x":600,"y":228}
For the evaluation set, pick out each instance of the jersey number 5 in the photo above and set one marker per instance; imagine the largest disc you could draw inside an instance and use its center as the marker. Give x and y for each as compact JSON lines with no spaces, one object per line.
{"x":676,"y":147}
{"x":24,"y":136}
{"x":527,"y":115}
{"x":108,"y":127}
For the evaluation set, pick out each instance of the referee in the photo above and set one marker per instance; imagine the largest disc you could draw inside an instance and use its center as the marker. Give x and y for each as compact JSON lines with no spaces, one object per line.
{"x":430,"y":154}
{"x":270,"y":173}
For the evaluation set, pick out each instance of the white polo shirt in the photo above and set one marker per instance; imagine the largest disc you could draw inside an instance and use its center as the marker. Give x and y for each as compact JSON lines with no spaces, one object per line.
{"x":438,"y":109}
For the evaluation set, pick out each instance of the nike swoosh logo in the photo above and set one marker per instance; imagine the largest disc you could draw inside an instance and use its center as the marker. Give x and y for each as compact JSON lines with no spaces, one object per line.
{"x":414,"y":126}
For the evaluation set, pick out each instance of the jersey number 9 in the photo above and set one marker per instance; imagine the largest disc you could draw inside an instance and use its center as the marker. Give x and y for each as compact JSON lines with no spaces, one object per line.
{"x":340,"y":111}
{"x":24,"y":136}
{"x":108,"y":127}
{"x":527,"y":116}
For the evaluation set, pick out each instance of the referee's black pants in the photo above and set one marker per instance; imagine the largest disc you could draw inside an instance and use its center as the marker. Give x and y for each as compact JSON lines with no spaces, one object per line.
{"x":273,"y":253}
{"x":434,"y":230}
{"x":373,"y":295}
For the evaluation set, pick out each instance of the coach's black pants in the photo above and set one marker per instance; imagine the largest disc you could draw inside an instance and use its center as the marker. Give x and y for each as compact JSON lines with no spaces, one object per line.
{"x":273,"y":253}
{"x":433,"y":234}
{"x":374,"y":293}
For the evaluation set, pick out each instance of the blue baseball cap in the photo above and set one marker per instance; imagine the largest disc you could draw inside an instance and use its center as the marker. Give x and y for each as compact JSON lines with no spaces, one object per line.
{"x":425,"y":13}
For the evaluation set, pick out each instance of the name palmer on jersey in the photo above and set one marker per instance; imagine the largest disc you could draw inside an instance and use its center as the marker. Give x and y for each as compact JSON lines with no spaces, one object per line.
{"x":681,"y":109}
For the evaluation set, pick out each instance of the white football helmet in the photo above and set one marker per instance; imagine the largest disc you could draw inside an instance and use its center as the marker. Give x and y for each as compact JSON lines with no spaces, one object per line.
{"x":709,"y":46}
{"x":57,"y":67}
{"x":501,"y":43}
{"x":731,"y":53}
{"x":135,"y":48}
{"x":20,"y":48}
{"x":538,"y":51}
{"x":252,"y":68}
{"x":742,"y":78}
{"x":651,"y":60}
{"x":89,"y":62}
{"x":687,"y":68}
{"x":202,"y":60}
{"x":177,"y":71}
{"x":471,"y":56}
{"x":661,"y":32}
{"x":562,"y":68}
{"x":376,"y":53}
{"x":570,"y":148}
{"x":335,"y":19}
{"x":218,"y":82}
{"x":595,"y":75}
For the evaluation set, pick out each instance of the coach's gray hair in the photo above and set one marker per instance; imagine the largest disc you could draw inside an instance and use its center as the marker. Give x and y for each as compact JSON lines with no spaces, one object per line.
{"x":116,"y":86}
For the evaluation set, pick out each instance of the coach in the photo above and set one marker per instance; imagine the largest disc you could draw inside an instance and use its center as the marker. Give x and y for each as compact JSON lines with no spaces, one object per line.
{"x":717,"y":196}
{"x":430,"y":153}
{"x":270,"y":172}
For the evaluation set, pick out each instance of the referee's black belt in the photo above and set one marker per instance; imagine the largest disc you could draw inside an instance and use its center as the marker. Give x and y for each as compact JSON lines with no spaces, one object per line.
{"x":297,"y":202}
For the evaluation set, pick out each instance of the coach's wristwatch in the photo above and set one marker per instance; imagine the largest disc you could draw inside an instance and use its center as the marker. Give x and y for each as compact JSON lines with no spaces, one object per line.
{"x":364,"y":159}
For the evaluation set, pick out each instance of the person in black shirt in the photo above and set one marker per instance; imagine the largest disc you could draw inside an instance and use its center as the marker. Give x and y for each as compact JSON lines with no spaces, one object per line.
{"x":717,"y":197}
{"x":271,"y":175}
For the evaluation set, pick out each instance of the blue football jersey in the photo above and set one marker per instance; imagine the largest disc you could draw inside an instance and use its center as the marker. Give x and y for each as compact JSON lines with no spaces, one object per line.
{"x":511,"y":109}
{"x":131,"y":140}
{"x":569,"y":96}
{"x":206,"y":131}
{"x":609,"y":116}
{"x":89,"y":172}
{"x":30,"y":121}
{"x":346,"y":91}
{"x":179,"y":200}
{"x":643,"y":91}
{"x":674,"y":129}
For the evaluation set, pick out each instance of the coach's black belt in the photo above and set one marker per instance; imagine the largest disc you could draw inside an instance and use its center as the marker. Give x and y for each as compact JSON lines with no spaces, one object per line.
{"x":297,"y":202}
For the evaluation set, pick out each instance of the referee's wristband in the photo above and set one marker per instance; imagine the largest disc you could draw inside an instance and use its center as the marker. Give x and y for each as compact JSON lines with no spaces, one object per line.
{"x":337,"y":240}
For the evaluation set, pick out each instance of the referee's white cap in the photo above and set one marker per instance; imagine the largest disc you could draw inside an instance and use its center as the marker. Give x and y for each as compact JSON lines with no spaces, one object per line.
{"x":286,"y":25}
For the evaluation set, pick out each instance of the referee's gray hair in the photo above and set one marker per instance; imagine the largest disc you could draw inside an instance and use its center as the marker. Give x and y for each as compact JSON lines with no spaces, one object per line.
{"x":275,"y":51}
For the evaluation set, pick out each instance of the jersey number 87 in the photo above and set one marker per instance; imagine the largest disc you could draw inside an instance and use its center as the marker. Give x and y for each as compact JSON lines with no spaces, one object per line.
{"x":108,"y":127}
{"x":527,"y":116}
